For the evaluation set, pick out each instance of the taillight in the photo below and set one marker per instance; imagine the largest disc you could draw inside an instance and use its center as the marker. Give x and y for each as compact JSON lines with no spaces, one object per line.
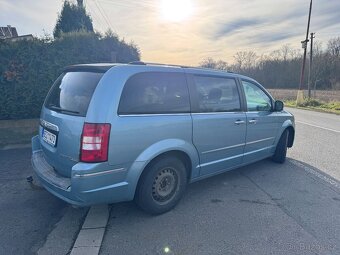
{"x":95,"y":142}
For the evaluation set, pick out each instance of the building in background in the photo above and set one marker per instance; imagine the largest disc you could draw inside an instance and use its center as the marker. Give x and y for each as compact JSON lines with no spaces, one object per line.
{"x":10,"y":33}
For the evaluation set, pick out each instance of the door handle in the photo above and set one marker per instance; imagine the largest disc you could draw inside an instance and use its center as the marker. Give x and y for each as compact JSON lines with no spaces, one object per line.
{"x":253,"y":121}
{"x":239,"y":122}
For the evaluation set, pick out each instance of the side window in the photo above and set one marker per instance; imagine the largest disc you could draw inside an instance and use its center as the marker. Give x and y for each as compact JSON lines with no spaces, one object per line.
{"x":257,"y":100}
{"x":155,"y":93}
{"x":217,"y":94}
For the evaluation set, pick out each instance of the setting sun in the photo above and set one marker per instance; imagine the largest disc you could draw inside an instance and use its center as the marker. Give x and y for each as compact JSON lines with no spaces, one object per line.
{"x":176,"y":10}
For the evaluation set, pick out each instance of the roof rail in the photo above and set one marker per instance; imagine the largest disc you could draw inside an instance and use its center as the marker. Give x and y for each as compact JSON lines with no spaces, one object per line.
{"x":179,"y":66}
{"x":155,"y":64}
{"x":136,"y":63}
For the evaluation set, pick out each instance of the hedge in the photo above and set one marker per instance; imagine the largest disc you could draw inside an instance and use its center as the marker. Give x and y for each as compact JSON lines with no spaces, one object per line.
{"x":28,"y":68}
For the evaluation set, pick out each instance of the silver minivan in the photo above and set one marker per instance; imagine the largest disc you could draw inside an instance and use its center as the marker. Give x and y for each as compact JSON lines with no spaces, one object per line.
{"x":118,"y":132}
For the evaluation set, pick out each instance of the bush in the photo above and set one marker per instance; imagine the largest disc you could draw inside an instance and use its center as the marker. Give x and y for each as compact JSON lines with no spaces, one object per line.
{"x":311,"y":102}
{"x":28,"y":68}
{"x":332,"y":107}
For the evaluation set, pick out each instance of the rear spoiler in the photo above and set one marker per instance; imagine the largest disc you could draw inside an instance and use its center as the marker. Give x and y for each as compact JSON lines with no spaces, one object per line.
{"x":88,"y":68}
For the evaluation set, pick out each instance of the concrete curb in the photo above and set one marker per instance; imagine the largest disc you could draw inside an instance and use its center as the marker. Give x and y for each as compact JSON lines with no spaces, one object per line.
{"x":92,"y":232}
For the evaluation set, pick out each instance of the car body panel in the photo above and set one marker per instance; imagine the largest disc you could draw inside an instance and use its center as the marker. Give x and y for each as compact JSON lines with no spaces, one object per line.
{"x":261,"y":135}
{"x":213,"y":142}
{"x":65,"y":154}
{"x":219,"y":141}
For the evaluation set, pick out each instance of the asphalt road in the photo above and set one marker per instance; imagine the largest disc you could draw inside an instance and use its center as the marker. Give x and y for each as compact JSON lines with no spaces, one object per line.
{"x":318,"y":140}
{"x":264,"y":208}
{"x":28,"y":214}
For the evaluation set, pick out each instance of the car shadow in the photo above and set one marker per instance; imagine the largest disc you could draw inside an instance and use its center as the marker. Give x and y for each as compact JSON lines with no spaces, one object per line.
{"x":272,"y":208}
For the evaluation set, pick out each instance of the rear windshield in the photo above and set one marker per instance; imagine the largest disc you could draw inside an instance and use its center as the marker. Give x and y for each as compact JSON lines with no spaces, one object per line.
{"x":72,"y":92}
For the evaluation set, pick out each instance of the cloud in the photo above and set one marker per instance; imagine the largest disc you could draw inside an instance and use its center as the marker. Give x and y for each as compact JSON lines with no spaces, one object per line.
{"x":235,"y":26}
{"x":217,"y":29}
{"x":327,"y":20}
{"x":271,"y":22}
{"x":271,"y":37}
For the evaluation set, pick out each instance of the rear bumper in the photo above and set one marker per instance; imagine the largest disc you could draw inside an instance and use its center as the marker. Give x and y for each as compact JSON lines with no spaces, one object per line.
{"x":89,"y":183}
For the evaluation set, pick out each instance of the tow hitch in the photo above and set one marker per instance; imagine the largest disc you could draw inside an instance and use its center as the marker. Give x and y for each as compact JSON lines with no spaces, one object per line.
{"x":34,"y":183}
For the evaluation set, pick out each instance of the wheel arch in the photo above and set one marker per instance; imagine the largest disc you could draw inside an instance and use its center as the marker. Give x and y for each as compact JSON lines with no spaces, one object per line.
{"x":288,"y":125}
{"x":176,"y":153}
{"x":185,"y":151}
{"x":181,"y":155}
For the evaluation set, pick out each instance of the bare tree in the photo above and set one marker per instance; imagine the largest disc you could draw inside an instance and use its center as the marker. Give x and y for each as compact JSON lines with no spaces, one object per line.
{"x":281,"y":67}
{"x":285,"y":53}
{"x":208,"y":63}
{"x":275,"y":55}
{"x":334,"y":46}
{"x":285,"y":50}
{"x":317,"y":48}
{"x":245,"y":59}
{"x":239,"y":58}
{"x":214,"y":64}
{"x":222,"y":65}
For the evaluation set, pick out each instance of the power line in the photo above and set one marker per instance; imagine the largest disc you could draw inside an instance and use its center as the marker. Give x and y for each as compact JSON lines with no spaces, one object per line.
{"x":95,"y":14}
{"x":103,"y":15}
{"x":133,"y":4}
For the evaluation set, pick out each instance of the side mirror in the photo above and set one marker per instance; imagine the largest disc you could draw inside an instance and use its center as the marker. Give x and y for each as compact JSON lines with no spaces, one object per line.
{"x":278,"y":106}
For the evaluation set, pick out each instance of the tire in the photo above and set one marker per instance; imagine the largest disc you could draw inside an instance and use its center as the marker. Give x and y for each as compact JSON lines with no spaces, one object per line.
{"x":162,"y":185}
{"x":281,"y":148}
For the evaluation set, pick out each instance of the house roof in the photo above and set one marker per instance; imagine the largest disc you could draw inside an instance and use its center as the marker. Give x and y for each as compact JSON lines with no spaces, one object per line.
{"x":8,"y":32}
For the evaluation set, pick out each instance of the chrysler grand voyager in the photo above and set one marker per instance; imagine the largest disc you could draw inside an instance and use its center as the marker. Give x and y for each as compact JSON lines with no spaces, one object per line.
{"x":118,"y":132}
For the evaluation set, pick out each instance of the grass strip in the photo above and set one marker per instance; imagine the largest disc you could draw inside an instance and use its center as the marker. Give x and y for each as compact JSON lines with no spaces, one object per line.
{"x":316,"y":105}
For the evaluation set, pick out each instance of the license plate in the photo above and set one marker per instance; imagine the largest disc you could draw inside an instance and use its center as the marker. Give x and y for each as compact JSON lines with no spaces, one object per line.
{"x":49,"y":138}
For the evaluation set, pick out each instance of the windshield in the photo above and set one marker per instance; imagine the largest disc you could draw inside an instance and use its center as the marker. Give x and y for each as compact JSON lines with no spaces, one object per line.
{"x":72,"y":92}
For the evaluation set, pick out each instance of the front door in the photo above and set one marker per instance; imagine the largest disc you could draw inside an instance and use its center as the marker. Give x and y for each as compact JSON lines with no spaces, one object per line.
{"x":262,"y":123}
{"x":219,"y":125}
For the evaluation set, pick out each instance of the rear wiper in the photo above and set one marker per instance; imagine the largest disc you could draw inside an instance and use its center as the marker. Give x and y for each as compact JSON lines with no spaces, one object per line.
{"x":59,"y":109}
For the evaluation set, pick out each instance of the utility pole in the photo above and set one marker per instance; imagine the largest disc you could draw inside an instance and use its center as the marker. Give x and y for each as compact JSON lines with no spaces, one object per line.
{"x":312,"y":36}
{"x":299,"y":98}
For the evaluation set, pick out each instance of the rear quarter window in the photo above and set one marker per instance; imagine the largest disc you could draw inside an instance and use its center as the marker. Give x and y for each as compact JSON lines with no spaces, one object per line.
{"x":155,"y":93}
{"x":72,"y":92}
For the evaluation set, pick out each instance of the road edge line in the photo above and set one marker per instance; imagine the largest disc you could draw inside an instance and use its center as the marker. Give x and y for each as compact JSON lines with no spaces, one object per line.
{"x":316,"y":126}
{"x":328,"y":179}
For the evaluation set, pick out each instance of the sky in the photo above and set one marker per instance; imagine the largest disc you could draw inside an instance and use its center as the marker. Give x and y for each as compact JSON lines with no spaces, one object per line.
{"x":187,"y":31}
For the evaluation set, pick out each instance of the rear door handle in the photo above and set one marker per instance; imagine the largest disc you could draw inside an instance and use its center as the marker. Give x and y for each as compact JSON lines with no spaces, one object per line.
{"x":239,"y":122}
{"x":252,"y":121}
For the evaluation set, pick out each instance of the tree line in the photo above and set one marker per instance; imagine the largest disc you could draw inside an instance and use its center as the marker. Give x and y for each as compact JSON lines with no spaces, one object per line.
{"x":281,"y":68}
{"x":28,"y":68}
